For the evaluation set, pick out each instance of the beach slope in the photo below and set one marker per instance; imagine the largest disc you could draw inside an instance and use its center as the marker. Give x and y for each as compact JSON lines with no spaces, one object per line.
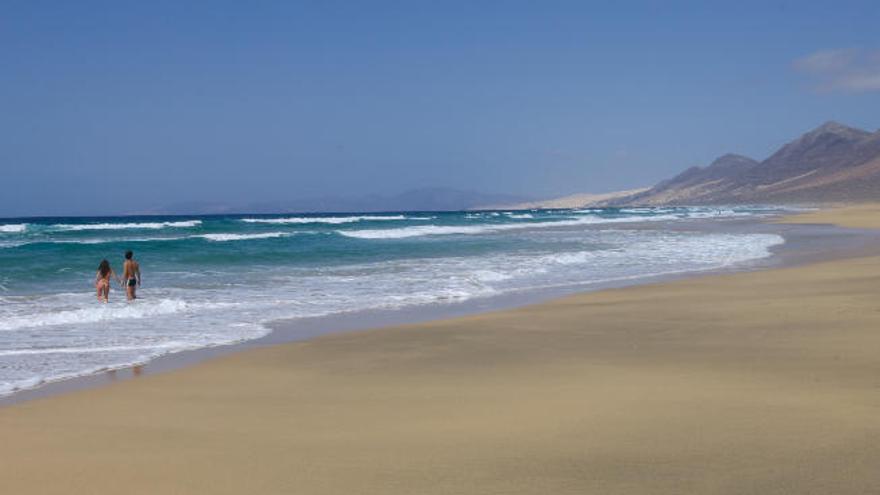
{"x":763,"y":382}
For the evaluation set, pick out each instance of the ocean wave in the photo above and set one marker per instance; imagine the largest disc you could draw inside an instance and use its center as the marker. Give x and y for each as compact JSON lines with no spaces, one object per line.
{"x":483,"y":276}
{"x":96,"y":241}
{"x":720,"y":214}
{"x":519,"y":215}
{"x":142,"y":239}
{"x":123,"y":226}
{"x":89,"y":350}
{"x":102,"y":313}
{"x":218,"y":237}
{"x":418,"y":231}
{"x":330,"y":220}
{"x":645,"y":210}
{"x":426,"y":230}
{"x":13,"y":228}
{"x":79,"y":241}
{"x":241,"y":237}
{"x":705,"y":212}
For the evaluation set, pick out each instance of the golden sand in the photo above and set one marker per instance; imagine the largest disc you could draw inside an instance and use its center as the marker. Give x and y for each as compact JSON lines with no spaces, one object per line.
{"x":764,"y":383}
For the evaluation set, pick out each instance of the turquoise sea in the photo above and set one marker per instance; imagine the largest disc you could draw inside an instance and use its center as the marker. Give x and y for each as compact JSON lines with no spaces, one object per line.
{"x":213,"y":280}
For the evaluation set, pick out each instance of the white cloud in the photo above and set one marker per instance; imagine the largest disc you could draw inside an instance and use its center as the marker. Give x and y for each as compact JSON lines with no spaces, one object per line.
{"x":826,"y":61}
{"x":860,"y":82}
{"x":848,"y":69}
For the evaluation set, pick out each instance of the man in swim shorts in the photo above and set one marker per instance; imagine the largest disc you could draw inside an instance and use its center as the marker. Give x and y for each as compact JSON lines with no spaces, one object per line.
{"x":131,"y":276}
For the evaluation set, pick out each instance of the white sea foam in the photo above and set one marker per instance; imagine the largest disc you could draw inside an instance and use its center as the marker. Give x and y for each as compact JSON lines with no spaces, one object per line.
{"x":241,"y":237}
{"x":87,"y":350}
{"x":100,"y":240}
{"x":491,"y":275}
{"x":85,"y":241}
{"x":704,"y":212}
{"x":417,"y":231}
{"x":216,"y":237}
{"x":127,"y":239}
{"x":13,"y":228}
{"x":12,"y":244}
{"x":103,"y":313}
{"x":7,"y":388}
{"x":585,"y":217}
{"x":125,"y":226}
{"x":330,"y":220}
{"x":719,"y":214}
{"x":426,"y":230}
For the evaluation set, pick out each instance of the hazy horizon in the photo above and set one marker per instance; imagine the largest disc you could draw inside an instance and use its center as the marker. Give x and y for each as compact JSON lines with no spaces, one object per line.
{"x":437,"y":199}
{"x":122,"y":107}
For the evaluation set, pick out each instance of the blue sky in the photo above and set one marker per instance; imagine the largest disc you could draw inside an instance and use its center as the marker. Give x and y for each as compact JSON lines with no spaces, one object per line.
{"x":121,"y":106}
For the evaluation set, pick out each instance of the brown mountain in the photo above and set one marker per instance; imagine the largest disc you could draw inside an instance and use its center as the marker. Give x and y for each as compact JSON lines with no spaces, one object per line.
{"x":830,"y":163}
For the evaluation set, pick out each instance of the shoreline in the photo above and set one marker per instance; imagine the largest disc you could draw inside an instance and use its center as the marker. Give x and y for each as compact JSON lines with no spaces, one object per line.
{"x":805,"y":242}
{"x":750,"y":382}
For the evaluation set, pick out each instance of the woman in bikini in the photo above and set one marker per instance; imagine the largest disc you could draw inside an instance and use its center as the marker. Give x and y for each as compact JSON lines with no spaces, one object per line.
{"x":102,"y":281}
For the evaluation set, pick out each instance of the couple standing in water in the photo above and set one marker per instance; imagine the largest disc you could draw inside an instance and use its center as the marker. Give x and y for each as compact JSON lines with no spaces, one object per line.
{"x":131,"y":278}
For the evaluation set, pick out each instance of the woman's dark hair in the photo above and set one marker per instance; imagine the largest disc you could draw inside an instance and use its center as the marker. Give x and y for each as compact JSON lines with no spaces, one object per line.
{"x":128,"y":255}
{"x":104,"y":268}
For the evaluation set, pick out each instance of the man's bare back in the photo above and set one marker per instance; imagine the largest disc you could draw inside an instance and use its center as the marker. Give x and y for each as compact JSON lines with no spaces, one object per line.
{"x":131,"y":276}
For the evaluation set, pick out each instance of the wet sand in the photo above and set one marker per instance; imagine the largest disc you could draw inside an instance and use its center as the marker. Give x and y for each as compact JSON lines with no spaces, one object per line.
{"x":856,"y":216}
{"x":759,"y":382}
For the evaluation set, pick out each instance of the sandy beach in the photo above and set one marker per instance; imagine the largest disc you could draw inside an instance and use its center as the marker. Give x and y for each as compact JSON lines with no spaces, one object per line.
{"x":760,"y":382}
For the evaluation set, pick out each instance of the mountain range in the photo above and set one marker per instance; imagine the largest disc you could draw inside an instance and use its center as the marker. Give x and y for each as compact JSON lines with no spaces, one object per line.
{"x":832,"y":163}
